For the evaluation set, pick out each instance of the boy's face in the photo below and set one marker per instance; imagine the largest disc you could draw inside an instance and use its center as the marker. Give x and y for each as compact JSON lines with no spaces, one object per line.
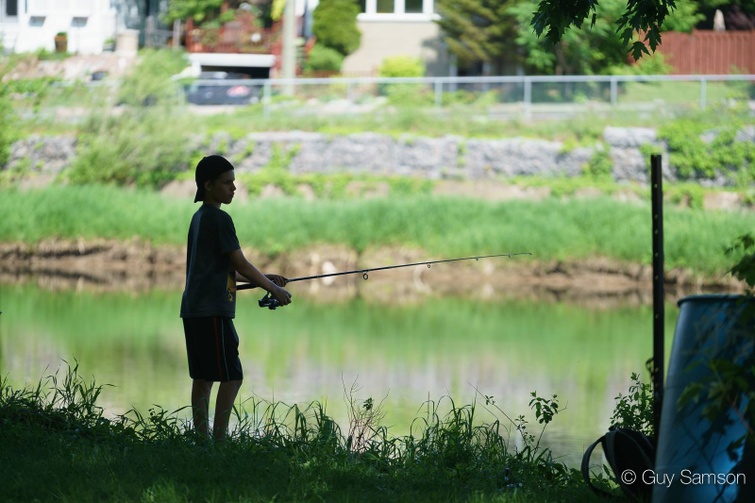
{"x":220,"y":190}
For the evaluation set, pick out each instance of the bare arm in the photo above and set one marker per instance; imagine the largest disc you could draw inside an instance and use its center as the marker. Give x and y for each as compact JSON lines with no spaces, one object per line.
{"x":256,"y":278}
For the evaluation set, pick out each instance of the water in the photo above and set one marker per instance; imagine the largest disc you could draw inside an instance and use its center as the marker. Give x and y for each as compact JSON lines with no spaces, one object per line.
{"x":399,"y":353}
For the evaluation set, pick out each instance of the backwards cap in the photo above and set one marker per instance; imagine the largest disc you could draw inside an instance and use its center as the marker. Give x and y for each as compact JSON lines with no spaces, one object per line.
{"x":209,"y":168}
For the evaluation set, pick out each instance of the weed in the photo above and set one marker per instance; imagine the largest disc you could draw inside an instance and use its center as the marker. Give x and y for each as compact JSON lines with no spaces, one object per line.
{"x":634,"y":411}
{"x":275,"y":451}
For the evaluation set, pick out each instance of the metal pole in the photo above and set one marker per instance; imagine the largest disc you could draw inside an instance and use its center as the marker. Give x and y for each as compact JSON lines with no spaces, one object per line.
{"x":527,"y":98}
{"x":656,"y":195}
{"x":288,"y":66}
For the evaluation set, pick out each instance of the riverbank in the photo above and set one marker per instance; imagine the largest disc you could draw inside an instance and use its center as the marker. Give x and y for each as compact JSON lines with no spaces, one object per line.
{"x":135,"y":265}
{"x":277,"y":452}
{"x":591,"y":246}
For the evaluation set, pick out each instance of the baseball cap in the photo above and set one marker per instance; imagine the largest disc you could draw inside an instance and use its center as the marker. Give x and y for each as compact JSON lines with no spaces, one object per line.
{"x":209,"y":168}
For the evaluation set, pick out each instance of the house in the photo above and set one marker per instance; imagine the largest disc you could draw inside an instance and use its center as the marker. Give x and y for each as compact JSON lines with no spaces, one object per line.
{"x":388,"y":28}
{"x":396,"y":28}
{"x":90,"y":26}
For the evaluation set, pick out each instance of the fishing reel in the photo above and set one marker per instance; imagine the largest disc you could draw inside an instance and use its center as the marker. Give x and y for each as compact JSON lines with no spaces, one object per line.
{"x":269,"y":302}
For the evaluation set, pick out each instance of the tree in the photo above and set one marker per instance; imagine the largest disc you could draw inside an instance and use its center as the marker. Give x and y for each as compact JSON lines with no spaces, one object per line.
{"x":684,"y":17}
{"x":479,"y":30}
{"x":582,"y":50}
{"x":202,"y":11}
{"x":334,"y":24}
{"x":553,"y":17}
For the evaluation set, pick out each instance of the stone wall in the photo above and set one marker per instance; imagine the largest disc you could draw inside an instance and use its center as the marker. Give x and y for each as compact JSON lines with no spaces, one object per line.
{"x":446,"y":158}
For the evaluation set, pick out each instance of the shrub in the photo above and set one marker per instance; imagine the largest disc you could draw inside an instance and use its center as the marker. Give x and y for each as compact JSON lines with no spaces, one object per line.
{"x":654,"y":64}
{"x":634,"y":410}
{"x":7,"y":120}
{"x":150,"y":81}
{"x":141,"y":147}
{"x":409,"y":95}
{"x":699,"y":149}
{"x":402,"y":66}
{"x":323,"y":59}
{"x":600,"y":166}
{"x":144,"y":145}
{"x":405,"y":94}
{"x":335,"y":25}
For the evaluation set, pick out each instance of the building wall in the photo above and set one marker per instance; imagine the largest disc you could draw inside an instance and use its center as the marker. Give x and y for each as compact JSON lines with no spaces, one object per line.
{"x":381,"y":39}
{"x":88,"y":24}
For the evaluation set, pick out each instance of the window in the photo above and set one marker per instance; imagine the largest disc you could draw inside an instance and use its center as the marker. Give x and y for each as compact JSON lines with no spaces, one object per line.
{"x":413,"y":6}
{"x":11,"y":8}
{"x":386,"y":6}
{"x":397,"y":8}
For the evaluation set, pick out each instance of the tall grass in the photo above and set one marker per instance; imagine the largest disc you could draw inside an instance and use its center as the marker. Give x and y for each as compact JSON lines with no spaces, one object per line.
{"x":550,"y":229}
{"x":58,"y":446}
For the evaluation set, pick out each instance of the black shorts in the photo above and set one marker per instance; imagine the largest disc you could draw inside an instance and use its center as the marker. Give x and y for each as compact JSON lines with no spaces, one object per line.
{"x":212,"y":346}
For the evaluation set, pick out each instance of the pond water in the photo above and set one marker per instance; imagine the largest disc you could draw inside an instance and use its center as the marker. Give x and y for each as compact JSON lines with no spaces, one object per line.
{"x":401,"y":354}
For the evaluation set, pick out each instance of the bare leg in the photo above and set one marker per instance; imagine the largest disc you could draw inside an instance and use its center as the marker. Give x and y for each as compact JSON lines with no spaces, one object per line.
{"x":223,"y":406}
{"x":200,"y":405}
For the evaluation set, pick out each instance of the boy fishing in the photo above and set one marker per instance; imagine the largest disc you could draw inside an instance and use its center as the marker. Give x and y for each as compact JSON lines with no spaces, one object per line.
{"x":214,"y":261}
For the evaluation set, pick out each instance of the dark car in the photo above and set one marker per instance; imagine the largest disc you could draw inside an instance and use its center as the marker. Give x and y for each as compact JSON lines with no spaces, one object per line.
{"x":221,"y":88}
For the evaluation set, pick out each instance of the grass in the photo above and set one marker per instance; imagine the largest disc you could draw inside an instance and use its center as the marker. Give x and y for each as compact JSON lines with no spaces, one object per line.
{"x":551,"y":229}
{"x":58,"y":446}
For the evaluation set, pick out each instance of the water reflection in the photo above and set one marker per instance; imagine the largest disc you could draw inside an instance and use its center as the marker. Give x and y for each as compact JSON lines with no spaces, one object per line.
{"x":406,"y":353}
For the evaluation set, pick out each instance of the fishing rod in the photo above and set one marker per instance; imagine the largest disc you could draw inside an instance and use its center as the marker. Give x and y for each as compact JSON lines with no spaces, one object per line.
{"x":270,"y":302}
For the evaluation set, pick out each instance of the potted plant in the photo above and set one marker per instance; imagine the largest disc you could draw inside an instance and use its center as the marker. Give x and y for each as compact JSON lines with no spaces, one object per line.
{"x":61,"y":42}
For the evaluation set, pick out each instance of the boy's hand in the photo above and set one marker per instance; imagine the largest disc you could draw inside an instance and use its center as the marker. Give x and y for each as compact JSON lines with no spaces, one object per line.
{"x":281,"y":295}
{"x":277,"y":279}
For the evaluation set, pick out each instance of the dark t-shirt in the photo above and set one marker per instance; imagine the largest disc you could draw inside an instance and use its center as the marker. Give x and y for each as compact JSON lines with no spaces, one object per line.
{"x":210,"y":279}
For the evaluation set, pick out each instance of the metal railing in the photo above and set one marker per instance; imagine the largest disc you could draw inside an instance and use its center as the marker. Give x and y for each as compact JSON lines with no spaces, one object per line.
{"x":526,"y":96}
{"x":506,"y":98}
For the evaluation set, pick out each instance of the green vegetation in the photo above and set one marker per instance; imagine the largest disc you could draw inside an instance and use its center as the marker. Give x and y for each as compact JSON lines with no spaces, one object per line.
{"x":401,"y":66}
{"x":694,"y":154}
{"x":554,"y":20}
{"x":144,"y":144}
{"x":276,"y":451}
{"x":334,"y":24}
{"x":323,"y":59}
{"x":584,"y":227}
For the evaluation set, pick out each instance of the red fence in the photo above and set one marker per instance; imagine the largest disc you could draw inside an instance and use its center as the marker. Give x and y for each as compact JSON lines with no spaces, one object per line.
{"x":709,"y":52}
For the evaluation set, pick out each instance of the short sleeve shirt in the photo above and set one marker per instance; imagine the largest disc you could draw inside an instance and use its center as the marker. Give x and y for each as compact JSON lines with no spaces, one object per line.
{"x":210,"y":279}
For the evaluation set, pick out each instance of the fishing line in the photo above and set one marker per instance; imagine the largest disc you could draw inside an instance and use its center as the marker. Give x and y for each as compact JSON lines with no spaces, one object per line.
{"x":270,"y":302}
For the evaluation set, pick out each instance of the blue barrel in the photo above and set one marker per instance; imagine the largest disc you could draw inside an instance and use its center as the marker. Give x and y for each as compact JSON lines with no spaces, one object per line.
{"x":701,"y":458}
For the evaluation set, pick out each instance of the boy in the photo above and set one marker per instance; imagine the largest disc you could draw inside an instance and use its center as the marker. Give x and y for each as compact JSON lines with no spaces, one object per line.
{"x":213,"y":261}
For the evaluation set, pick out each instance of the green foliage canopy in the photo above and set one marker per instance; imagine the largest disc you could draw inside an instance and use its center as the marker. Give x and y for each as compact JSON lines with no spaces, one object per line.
{"x":584,"y":51}
{"x":479,"y":30}
{"x":335,"y":25}
{"x":553,"y":17}
{"x":198,"y":10}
